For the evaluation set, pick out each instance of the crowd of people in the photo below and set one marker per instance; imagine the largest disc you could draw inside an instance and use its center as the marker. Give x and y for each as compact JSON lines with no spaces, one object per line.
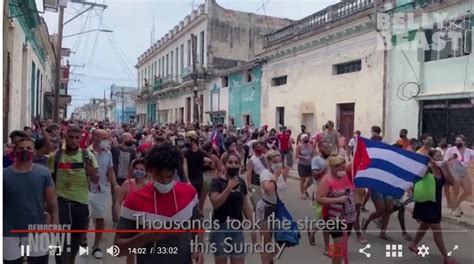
{"x":73,"y":172}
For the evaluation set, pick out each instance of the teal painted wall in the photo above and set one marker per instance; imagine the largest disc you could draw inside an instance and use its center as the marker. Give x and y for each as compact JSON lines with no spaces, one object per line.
{"x":245,"y":98}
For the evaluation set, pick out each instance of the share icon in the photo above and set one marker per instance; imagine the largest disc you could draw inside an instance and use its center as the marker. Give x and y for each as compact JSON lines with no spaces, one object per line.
{"x":362,"y":251}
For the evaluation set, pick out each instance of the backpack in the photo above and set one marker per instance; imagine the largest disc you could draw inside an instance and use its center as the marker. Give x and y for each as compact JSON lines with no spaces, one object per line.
{"x":287,"y":237}
{"x":57,"y":159}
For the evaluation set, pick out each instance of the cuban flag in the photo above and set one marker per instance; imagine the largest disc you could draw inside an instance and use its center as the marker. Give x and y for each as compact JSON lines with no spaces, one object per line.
{"x":217,"y":141}
{"x":386,"y":169}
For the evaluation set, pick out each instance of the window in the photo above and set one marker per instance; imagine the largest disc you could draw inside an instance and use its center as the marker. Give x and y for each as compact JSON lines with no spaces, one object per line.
{"x":277,"y":81}
{"x":172,"y":64}
{"x":189,"y":52}
{"x":202,"y":48}
{"x":152,"y":73}
{"x":156,"y":70}
{"x":348,"y":67}
{"x":159,"y":68}
{"x":225,"y":81}
{"x":167,"y":64}
{"x":163,"y":74}
{"x":451,"y":29}
{"x":177,"y":62}
{"x":248,"y":75}
{"x":182,"y":58}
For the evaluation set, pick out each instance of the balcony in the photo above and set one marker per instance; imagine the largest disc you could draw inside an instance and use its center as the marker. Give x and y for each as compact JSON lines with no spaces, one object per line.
{"x":319,"y":19}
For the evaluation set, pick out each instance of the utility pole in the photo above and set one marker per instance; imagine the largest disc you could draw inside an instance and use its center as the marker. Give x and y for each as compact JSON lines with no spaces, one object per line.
{"x":58,"y":64}
{"x":123,"y":109}
{"x":195,"y":77}
{"x":57,"y":83}
{"x":105,"y":107}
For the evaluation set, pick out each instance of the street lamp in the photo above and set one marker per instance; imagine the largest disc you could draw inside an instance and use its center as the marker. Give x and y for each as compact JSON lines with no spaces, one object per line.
{"x":88,"y":31}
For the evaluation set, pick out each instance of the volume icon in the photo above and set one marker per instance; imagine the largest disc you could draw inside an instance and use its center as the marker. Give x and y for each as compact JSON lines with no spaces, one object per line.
{"x":113,"y":250}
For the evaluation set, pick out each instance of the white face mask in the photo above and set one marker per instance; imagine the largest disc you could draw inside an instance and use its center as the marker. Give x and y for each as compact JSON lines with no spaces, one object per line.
{"x":164,"y":188}
{"x":340,"y":174}
{"x":276,"y":166}
{"x":104,"y":144}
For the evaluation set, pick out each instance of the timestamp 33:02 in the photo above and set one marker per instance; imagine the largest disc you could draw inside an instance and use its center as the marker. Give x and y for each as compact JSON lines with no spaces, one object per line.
{"x":153,"y":250}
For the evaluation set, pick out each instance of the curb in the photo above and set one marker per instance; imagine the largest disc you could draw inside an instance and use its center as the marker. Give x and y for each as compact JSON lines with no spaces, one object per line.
{"x":444,"y":218}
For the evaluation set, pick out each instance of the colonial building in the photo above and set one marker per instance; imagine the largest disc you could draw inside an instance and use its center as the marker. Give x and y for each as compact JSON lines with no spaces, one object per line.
{"x":28,"y":65}
{"x":225,"y":39}
{"x":244,"y":91}
{"x":325,"y":67}
{"x":432,"y":90}
{"x":124,"y":109}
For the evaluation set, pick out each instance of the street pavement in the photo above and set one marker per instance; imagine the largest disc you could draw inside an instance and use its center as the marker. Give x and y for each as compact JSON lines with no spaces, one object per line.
{"x":304,"y":253}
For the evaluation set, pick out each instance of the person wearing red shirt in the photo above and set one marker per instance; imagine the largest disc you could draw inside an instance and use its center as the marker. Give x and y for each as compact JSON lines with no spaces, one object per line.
{"x":284,"y":143}
{"x":85,"y":138}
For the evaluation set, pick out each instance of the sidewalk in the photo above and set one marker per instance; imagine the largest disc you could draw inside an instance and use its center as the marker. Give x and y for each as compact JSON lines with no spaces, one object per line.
{"x":466,"y":221}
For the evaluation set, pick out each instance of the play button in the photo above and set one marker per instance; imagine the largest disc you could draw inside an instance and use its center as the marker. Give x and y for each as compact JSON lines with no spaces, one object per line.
{"x":83,"y":250}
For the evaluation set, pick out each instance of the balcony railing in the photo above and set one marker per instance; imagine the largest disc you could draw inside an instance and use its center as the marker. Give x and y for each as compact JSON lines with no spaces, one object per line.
{"x":328,"y":15}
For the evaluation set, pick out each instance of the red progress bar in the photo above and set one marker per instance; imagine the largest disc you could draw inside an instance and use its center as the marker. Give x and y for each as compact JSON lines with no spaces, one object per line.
{"x":16,"y":231}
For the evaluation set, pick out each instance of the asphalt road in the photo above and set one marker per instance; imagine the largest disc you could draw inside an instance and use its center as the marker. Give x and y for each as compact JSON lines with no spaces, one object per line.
{"x":304,"y":253}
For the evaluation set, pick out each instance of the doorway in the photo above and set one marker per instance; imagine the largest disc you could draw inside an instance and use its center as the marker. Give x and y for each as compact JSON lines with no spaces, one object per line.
{"x":188,"y":110}
{"x":345,"y":120}
{"x":308,"y":121}
{"x":280,"y":116}
{"x":246,"y":120}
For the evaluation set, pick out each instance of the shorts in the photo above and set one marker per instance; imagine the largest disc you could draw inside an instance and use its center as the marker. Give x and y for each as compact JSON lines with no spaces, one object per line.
{"x":264,"y":210}
{"x":377,"y":196}
{"x":359,"y":195}
{"x":12,"y":249}
{"x":98,"y":204}
{"x":338,"y":232}
{"x":304,"y":170}
{"x":289,"y":159}
{"x":223,"y":238}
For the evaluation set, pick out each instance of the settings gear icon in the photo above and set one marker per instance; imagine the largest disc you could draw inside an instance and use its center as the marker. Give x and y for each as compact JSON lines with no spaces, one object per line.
{"x":423,"y":251}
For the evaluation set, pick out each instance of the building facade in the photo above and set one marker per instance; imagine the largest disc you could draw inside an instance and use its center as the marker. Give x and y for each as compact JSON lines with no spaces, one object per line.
{"x":244,"y":91}
{"x":28,"y":65}
{"x":325,"y":67}
{"x":124,"y":108}
{"x":224,"y":39}
{"x":432,"y":91}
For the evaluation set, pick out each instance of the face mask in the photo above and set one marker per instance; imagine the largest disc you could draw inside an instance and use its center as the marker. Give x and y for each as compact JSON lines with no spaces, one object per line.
{"x":129,"y":143}
{"x":187,"y":145}
{"x":258,"y":152}
{"x":163,"y":188}
{"x":459,"y":145}
{"x":139,"y":174}
{"x":340,"y":174}
{"x":439,"y":163}
{"x":305,"y":140}
{"x":232,"y":172}
{"x":403,"y":136}
{"x":24,"y":155}
{"x":276,"y":166}
{"x":104,"y":144}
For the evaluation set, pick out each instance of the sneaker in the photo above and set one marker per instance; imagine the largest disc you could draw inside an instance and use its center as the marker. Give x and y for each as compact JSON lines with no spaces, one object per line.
{"x":97,"y":253}
{"x":456,"y":213}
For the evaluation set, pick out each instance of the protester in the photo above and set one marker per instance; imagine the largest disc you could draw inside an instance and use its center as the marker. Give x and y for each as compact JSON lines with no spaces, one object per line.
{"x":376,"y":132}
{"x":73,"y":168}
{"x":403,"y":141}
{"x":30,"y":192}
{"x":123,"y":155}
{"x":9,"y":156}
{"x":100,"y":194}
{"x":300,"y":135}
{"x":319,"y":168}
{"x":284,"y":143}
{"x":460,"y":157}
{"x":291,"y":151}
{"x":427,"y":144}
{"x":351,"y":144}
{"x":194,"y":161}
{"x":54,"y":132}
{"x":162,"y":198}
{"x":229,"y":200}
{"x":429,"y":213}
{"x":330,"y":135}
{"x":304,"y":154}
{"x":210,"y":171}
{"x":256,"y":165}
{"x":336,"y":194}
{"x":272,"y":180}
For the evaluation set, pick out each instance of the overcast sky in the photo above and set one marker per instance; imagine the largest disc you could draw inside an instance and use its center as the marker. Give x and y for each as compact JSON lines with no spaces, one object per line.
{"x":110,"y":57}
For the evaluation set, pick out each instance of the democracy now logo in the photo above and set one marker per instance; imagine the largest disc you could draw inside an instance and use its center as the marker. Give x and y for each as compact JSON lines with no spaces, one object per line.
{"x":426,"y":31}
{"x":55,"y":242}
